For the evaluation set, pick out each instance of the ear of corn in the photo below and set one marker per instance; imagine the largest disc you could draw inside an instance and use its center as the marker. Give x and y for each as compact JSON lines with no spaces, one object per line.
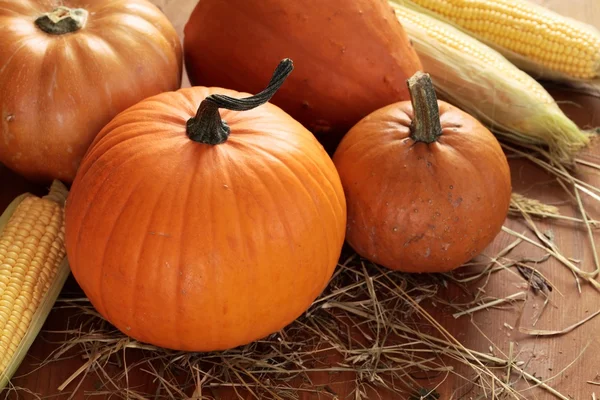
{"x":533,"y":37}
{"x":33,"y":270}
{"x":480,"y":81}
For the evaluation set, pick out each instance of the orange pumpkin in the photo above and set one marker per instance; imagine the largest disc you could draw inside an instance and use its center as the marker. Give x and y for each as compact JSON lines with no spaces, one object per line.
{"x":67,"y":67}
{"x":196,"y":234}
{"x":350,"y":57}
{"x":428,"y":187}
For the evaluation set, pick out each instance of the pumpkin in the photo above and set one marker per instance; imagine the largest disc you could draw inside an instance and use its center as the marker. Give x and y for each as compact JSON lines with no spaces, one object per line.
{"x":67,"y":67}
{"x":193,"y":225}
{"x":350,"y":57}
{"x":427,"y":185}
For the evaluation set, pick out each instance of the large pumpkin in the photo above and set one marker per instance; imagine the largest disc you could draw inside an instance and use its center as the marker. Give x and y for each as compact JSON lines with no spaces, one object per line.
{"x":67,"y":67}
{"x":191,"y":234}
{"x":350,"y":57}
{"x":428,"y":187}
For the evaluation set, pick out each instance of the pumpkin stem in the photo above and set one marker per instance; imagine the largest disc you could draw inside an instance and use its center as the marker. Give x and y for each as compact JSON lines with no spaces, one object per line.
{"x":426,"y":126}
{"x":62,"y":20}
{"x":208,"y":128}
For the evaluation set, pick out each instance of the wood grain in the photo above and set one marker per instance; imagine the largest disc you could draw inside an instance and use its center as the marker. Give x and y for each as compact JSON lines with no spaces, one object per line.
{"x":486,"y":330}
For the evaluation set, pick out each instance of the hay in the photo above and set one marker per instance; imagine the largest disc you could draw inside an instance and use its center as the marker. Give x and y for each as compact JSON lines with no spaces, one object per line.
{"x":372,"y":327}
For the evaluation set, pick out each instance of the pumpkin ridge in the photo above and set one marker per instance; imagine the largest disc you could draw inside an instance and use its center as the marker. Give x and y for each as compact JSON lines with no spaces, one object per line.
{"x":25,"y":5}
{"x":239,"y":231}
{"x":141,"y":36}
{"x":187,"y":202}
{"x":108,"y":7}
{"x":324,"y":198}
{"x":474,"y":169}
{"x":105,"y":150}
{"x":339,"y":196}
{"x":85,"y":221}
{"x":282,"y":216}
{"x":275,"y":177}
{"x":121,"y":138}
{"x":16,"y":51}
{"x":293,"y":173}
{"x":94,"y":172}
{"x":87,"y":56}
{"x":137,"y":264}
{"x":370,"y":131}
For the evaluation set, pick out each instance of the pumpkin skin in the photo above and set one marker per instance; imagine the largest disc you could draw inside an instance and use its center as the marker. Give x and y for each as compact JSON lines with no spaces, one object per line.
{"x":203,"y":247}
{"x":59,"y":90}
{"x":350,"y":57}
{"x":422,"y":207}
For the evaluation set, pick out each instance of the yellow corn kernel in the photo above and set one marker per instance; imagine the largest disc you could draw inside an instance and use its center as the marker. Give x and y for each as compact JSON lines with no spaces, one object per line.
{"x":531,"y":36}
{"x":479,"y":80}
{"x":445,"y":35}
{"x":33,"y":269}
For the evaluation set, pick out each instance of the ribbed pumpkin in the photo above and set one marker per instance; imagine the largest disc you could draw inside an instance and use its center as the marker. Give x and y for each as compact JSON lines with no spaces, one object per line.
{"x":350,"y":57}
{"x":67,"y":67}
{"x":193,"y":233}
{"x":428,"y":186}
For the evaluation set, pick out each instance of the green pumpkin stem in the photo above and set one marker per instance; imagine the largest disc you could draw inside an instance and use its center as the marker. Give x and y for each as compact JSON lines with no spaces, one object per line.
{"x":62,"y":20}
{"x":426,"y":126}
{"x":207,"y":126}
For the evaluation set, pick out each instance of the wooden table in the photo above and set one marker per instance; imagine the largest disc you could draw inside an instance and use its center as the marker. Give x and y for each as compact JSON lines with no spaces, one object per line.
{"x":487,"y":330}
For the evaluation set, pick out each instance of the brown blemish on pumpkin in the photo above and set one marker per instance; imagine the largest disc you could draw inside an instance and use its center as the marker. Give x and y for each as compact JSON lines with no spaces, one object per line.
{"x":413,"y":239}
{"x":321,"y":126}
{"x":6,"y":118}
{"x":163,"y":234}
{"x":457,"y":202}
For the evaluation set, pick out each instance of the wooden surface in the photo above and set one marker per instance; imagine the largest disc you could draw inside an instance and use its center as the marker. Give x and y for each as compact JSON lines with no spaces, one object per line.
{"x":487,"y":330}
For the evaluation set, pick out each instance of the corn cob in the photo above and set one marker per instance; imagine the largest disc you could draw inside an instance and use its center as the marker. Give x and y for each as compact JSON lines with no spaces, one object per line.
{"x":533,"y":37}
{"x":480,"y":81}
{"x":33,"y":270}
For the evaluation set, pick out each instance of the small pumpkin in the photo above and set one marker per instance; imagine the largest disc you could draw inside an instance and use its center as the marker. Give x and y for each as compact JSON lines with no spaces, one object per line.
{"x":67,"y":67}
{"x":202,"y":220}
{"x":350,"y":57}
{"x":427,"y":185}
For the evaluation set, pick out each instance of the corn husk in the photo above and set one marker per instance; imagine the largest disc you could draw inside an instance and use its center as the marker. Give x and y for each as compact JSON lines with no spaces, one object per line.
{"x":489,"y":87}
